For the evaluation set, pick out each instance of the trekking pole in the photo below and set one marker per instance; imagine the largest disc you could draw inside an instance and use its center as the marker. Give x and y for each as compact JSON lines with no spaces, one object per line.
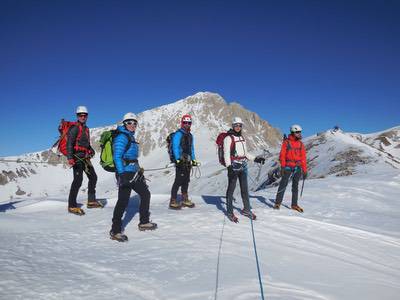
{"x":302,"y":187}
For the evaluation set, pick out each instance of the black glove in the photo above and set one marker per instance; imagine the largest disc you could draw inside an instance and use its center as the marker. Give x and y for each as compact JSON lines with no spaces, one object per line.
{"x":282,"y":171}
{"x":124,"y":180}
{"x":259,"y":160}
{"x":305,"y":175}
{"x":230,"y":169}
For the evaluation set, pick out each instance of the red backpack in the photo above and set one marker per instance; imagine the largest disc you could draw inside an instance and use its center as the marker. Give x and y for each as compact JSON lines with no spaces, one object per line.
{"x":62,"y":141}
{"x":220,"y":144}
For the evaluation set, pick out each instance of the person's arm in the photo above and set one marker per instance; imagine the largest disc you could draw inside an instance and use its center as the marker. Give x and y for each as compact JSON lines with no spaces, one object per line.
{"x":228,"y":140}
{"x":176,"y":145}
{"x":119,"y":146}
{"x":303,"y":159}
{"x":282,"y":155}
{"x":192,"y":150}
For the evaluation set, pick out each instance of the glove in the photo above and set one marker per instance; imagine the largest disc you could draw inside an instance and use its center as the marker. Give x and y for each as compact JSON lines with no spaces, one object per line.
{"x":178,"y":162}
{"x":90,"y":153}
{"x":124,"y":180}
{"x":259,"y":160}
{"x":195,"y":163}
{"x":305,"y":175}
{"x":282,"y":171}
{"x":71,"y":162}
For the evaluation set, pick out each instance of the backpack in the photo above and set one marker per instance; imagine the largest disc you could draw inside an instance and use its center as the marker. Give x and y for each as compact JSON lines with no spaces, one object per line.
{"x":106,"y":144}
{"x":63,"y":129}
{"x":169,"y":144}
{"x":220,"y":144}
{"x":62,"y":140}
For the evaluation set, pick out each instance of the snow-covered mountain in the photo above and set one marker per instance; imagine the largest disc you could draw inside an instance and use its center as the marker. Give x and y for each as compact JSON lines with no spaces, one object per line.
{"x":346,"y":244}
{"x":335,"y":153}
{"x":388,"y":141}
{"x":211,"y":115}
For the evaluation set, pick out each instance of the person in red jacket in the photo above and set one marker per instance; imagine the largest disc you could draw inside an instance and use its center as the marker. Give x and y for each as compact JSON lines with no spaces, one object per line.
{"x":293,"y":161}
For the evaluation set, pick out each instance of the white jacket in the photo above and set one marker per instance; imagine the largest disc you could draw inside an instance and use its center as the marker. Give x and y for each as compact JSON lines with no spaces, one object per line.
{"x":240,"y":148}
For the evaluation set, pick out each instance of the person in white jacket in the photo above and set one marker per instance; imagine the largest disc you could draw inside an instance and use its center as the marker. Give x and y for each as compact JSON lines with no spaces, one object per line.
{"x":236,"y":157}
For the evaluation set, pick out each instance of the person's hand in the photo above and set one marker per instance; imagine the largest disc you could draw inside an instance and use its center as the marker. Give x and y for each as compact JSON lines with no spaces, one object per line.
{"x":305,"y":174}
{"x":282,"y":171}
{"x":90,"y":153}
{"x":195,"y":163}
{"x":259,"y":160}
{"x":71,"y":162}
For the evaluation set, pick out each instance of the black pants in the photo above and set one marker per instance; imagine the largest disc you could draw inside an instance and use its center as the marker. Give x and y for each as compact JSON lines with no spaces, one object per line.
{"x":141,"y":188}
{"x":244,"y":189}
{"x":284,"y":182}
{"x":78,"y":169}
{"x":182,"y":179}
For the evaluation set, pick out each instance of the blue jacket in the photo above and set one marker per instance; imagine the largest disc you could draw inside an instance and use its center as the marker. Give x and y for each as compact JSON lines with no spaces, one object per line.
{"x":120,"y":155}
{"x":177,"y":147}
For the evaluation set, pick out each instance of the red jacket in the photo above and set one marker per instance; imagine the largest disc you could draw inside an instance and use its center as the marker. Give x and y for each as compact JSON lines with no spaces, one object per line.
{"x":293,"y":154}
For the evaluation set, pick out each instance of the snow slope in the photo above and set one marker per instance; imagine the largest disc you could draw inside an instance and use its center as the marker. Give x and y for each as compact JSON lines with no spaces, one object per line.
{"x":345,"y":246}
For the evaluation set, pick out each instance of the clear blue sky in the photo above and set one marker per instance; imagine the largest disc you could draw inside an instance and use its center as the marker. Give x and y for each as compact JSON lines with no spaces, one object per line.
{"x":316,"y":63}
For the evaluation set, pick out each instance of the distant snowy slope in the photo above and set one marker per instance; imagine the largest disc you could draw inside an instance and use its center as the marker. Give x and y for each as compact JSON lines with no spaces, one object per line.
{"x":387,"y":141}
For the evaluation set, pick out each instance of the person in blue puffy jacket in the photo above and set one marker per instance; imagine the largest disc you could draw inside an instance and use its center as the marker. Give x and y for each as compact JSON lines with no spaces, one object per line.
{"x":130,"y":177}
{"x":183,"y":153}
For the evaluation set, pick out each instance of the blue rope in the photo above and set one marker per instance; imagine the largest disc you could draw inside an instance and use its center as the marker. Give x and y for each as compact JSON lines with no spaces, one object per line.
{"x":258,"y":265}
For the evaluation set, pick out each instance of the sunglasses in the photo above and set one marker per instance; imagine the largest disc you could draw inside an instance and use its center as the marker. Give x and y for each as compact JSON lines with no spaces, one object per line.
{"x":130,"y":123}
{"x":237,"y":125}
{"x":186,"y":123}
{"x":297,"y":131}
{"x":82,"y":115}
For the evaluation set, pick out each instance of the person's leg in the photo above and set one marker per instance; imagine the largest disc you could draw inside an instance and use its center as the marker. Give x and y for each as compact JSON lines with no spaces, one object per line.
{"x":141,"y":188}
{"x":282,"y":186}
{"x":232,"y":179}
{"x":122,"y":202}
{"x":295,"y":186}
{"x":76,"y":184}
{"x":92,"y":176}
{"x":177,"y":182}
{"x":244,"y":190}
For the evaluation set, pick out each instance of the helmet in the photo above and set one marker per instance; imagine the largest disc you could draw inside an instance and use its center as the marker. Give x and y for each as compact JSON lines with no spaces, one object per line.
{"x":186,"y":118}
{"x":81,"y":110}
{"x":237,"y":120}
{"x":129,"y":116}
{"x":295,"y":128}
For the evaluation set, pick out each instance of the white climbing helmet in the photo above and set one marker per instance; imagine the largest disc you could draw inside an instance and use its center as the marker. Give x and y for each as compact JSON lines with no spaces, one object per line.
{"x":237,"y":120}
{"x":295,"y":128}
{"x":129,"y":116}
{"x":81,"y":110}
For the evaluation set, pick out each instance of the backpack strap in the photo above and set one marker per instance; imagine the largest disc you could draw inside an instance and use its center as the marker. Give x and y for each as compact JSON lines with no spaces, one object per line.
{"x":78,"y":148}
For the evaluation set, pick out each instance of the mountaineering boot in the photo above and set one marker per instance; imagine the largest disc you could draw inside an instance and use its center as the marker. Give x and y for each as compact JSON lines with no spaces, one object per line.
{"x":233,"y":218}
{"x":186,"y":201}
{"x":277,"y":206}
{"x":147,"y":226}
{"x":94,"y":204}
{"x":76,"y":211}
{"x":248,"y":214}
{"x":120,"y":237}
{"x":174,"y":205}
{"x":298,"y":208}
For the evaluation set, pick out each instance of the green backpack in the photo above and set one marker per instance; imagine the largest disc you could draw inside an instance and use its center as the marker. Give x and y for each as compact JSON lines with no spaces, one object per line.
{"x":106,"y":144}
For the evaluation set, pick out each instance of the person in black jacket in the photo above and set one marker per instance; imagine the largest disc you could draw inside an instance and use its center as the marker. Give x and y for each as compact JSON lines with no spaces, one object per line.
{"x":79,"y":153}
